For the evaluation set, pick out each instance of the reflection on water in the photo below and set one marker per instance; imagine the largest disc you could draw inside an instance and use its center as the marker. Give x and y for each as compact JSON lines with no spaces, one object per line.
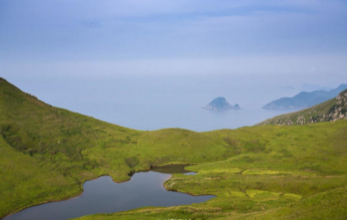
{"x":170,"y":169}
{"x":105,"y":196}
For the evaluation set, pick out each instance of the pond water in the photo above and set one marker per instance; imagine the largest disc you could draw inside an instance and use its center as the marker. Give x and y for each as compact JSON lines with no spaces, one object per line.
{"x":102,"y":195}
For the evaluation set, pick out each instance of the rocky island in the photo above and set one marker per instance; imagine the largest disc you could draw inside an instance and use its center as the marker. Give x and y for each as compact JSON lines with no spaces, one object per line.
{"x":221,"y":104}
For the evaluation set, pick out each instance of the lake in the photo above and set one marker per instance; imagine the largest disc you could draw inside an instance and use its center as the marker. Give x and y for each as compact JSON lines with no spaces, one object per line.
{"x":102,"y":195}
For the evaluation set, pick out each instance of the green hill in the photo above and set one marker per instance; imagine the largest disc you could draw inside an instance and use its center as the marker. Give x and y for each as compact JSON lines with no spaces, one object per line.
{"x":332,"y":110}
{"x":41,"y":144}
{"x":46,"y":153}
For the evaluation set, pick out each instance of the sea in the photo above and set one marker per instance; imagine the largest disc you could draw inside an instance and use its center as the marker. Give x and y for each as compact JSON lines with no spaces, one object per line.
{"x":152,"y":102}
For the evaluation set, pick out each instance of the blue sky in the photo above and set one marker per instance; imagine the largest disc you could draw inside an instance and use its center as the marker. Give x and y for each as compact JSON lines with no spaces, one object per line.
{"x":91,"y":38}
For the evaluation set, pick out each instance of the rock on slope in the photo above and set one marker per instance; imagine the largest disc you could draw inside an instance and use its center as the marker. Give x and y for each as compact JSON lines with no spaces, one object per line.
{"x":332,"y":110}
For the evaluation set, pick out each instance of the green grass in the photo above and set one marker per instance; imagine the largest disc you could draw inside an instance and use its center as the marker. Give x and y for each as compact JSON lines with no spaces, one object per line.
{"x":46,"y":154}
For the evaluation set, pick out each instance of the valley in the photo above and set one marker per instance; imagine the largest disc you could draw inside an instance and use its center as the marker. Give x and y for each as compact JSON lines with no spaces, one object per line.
{"x":258,"y":172}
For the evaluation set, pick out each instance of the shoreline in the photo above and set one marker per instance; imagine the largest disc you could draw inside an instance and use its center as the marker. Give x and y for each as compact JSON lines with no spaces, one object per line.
{"x":130,"y":174}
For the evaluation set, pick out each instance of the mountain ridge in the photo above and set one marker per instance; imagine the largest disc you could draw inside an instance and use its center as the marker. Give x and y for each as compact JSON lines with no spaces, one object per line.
{"x":304,"y":99}
{"x":331,"y":110}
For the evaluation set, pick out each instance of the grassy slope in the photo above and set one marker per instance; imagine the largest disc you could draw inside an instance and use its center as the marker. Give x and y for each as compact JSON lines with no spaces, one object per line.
{"x":46,"y":153}
{"x":278,"y":170}
{"x":327,"y":205}
{"x":314,"y":111}
{"x":318,"y":113}
{"x":62,"y":145}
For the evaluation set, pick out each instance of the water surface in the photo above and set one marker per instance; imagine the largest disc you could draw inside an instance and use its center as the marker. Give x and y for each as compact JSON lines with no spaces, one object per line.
{"x":105,"y":196}
{"x":151,"y":103}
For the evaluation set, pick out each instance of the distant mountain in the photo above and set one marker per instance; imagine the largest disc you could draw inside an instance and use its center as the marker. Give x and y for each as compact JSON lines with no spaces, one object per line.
{"x":332,"y":110}
{"x":312,"y":87}
{"x":305,"y":99}
{"x":221,"y":104}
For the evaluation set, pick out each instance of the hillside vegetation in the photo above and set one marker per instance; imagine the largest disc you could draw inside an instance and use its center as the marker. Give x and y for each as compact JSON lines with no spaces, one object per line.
{"x":332,"y":110}
{"x":46,"y":154}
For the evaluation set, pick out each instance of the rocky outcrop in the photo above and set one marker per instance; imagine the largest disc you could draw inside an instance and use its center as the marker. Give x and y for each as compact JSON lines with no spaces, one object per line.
{"x":332,"y":110}
{"x":338,"y":111}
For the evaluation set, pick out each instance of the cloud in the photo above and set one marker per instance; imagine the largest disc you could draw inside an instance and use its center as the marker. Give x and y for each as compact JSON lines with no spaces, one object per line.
{"x":108,"y":9}
{"x":238,"y":65}
{"x":147,"y":29}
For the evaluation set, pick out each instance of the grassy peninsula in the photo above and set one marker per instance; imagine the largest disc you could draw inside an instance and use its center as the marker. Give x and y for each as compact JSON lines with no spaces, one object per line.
{"x":261,"y":172}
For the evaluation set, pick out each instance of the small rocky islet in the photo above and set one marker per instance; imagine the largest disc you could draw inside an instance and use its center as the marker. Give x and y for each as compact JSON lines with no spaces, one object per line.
{"x":220,"y":104}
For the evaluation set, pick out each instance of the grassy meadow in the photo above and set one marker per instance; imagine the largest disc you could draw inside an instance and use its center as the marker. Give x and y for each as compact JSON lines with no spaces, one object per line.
{"x":261,"y":172}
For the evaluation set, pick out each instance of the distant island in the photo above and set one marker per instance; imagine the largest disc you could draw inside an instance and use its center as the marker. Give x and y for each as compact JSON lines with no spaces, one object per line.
{"x":304,"y":99}
{"x":221,"y":104}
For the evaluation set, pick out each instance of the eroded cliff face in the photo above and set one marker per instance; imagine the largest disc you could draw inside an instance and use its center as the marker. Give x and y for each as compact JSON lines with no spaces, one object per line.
{"x":332,"y":110}
{"x":340,"y":107}
{"x":337,"y":111}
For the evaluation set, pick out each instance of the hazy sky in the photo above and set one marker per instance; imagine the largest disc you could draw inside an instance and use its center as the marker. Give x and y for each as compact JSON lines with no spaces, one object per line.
{"x":118,"y":60}
{"x":75,"y":38}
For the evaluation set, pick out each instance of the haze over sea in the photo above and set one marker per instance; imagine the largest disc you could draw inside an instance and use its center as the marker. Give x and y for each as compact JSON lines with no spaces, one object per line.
{"x":153,"y":64}
{"x":150,"y":102}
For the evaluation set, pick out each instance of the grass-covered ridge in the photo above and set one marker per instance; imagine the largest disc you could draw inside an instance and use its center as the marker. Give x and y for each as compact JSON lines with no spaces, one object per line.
{"x":46,"y":153}
{"x":331,"y":110}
